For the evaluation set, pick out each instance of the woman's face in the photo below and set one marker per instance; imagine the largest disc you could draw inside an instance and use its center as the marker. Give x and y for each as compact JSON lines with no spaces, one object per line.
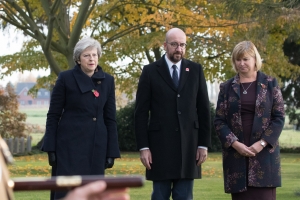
{"x":245,"y":64}
{"x":88,"y":60}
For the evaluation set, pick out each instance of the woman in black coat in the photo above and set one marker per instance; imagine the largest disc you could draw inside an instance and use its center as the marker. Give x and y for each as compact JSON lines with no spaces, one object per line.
{"x":81,"y":132}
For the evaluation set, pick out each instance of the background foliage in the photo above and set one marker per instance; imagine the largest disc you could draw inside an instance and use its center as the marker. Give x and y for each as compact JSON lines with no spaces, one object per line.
{"x":215,"y":142}
{"x":132,"y":32}
{"x":125,"y":125}
{"x":291,"y":87}
{"x":12,"y":122}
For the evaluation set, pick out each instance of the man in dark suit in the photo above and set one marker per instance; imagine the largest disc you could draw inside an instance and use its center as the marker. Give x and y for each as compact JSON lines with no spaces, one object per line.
{"x":172,"y":120}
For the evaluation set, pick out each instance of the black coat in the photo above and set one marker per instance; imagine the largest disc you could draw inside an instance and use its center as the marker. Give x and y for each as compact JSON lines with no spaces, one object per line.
{"x":81,"y":128}
{"x":171,"y":122}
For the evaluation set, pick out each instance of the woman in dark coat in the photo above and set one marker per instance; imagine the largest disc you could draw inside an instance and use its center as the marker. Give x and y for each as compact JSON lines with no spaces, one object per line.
{"x":249,"y":120}
{"x":81,"y":132}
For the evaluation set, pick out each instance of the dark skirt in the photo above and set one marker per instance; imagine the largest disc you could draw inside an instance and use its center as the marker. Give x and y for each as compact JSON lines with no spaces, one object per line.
{"x":256,"y":193}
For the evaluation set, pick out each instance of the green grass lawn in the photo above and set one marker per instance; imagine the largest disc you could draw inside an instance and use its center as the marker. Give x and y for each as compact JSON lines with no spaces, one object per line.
{"x":35,"y":115}
{"x":210,"y":187}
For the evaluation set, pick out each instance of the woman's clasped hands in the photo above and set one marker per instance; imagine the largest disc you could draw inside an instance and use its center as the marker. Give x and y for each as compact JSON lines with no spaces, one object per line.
{"x":247,"y":151}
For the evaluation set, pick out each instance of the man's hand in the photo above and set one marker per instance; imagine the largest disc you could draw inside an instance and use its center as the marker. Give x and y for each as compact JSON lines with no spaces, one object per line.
{"x":146,"y":158}
{"x":52,"y":158}
{"x":201,"y":156}
{"x":243,"y":149}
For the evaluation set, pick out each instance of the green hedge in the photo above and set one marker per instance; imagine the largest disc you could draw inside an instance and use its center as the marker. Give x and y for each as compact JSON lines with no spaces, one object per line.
{"x":290,"y":150}
{"x":125,"y":124}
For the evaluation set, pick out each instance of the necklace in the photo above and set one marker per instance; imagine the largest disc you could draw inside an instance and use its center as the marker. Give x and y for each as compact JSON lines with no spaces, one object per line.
{"x":245,"y":90}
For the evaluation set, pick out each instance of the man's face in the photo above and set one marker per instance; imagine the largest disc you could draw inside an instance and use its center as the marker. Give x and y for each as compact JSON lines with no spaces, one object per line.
{"x":175,"y":46}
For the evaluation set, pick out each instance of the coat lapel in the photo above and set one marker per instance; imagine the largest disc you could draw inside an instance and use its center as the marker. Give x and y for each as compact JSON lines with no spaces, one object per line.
{"x":262,"y":83}
{"x":184,"y":74}
{"x":236,"y":85}
{"x":261,"y":91}
{"x":164,"y":71}
{"x":84,"y":82}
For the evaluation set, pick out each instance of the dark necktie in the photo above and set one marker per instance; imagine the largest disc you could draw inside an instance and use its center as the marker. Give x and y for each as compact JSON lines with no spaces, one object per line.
{"x":175,"y":76}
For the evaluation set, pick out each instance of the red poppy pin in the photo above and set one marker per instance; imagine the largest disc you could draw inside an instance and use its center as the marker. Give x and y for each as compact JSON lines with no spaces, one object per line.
{"x":96,"y":93}
{"x":263,"y":86}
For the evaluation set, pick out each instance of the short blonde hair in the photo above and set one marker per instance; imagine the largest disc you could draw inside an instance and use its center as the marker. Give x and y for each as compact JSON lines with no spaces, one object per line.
{"x":245,"y":48}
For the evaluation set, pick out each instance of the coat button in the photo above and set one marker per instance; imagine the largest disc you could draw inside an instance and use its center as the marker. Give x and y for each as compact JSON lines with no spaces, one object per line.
{"x":94,"y":119}
{"x":179,"y":113}
{"x":178,"y":95}
{"x":99,"y":82}
{"x":176,"y":129}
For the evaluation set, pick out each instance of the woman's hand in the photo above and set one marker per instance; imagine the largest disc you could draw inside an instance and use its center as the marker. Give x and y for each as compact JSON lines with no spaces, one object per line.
{"x":243,"y":149}
{"x":109,"y":163}
{"x":256,"y":147}
{"x":52,"y":158}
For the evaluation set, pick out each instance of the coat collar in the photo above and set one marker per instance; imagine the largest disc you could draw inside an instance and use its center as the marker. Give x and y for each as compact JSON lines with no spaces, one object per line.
{"x":236,"y":84}
{"x":261,"y":90}
{"x":164,"y":71}
{"x":261,"y":79}
{"x":84,"y":82}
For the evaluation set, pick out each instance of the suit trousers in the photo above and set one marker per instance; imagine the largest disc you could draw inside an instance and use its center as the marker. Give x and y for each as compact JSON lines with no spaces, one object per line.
{"x":180,"y":189}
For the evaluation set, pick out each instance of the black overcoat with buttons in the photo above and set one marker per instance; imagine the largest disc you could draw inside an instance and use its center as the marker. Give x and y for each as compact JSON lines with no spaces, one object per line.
{"x":172,"y":122}
{"x":81,"y":128}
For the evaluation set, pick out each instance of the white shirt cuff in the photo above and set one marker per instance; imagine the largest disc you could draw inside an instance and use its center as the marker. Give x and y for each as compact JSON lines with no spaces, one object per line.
{"x":144,"y":148}
{"x":202,"y":147}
